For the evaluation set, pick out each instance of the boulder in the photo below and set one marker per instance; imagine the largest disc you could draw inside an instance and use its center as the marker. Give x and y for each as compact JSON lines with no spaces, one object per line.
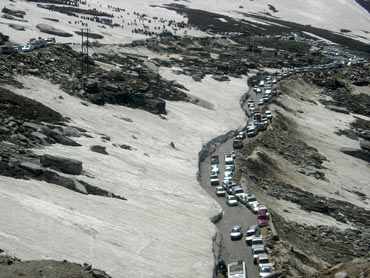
{"x":92,"y":86}
{"x":31,"y":167}
{"x":48,"y":29}
{"x":365,"y":145}
{"x":17,"y":27}
{"x":65,"y":165}
{"x":71,"y":132}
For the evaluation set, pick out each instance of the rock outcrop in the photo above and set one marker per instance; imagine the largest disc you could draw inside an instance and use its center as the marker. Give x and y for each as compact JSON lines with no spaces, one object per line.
{"x":63,"y":164}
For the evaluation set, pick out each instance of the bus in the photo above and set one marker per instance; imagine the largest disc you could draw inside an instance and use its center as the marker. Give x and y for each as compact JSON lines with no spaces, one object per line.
{"x":236,"y":270}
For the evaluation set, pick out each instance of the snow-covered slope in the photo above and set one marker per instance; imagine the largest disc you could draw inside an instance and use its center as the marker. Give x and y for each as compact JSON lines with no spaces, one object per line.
{"x":163,"y":230}
{"x":331,"y":15}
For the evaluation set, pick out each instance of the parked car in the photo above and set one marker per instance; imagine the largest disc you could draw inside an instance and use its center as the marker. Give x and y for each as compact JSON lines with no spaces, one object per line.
{"x":252,"y":130}
{"x":237,"y":191}
{"x":256,"y":252}
{"x":241,"y":135}
{"x":17,"y":49}
{"x":242,"y":198}
{"x":214,"y":173}
{"x":229,"y":159}
{"x":254,"y":206}
{"x":261,"y":102}
{"x":265,"y":210}
{"x":6,"y":49}
{"x":215,"y":159}
{"x":265,"y":271}
{"x":268,"y":114}
{"x":214,"y":181}
{"x":259,"y":90}
{"x":231,"y":200}
{"x":252,"y":230}
{"x":238,"y":144}
{"x":229,"y":168}
{"x":236,"y":233}
{"x":28,"y":48}
{"x":214,"y":168}
{"x":257,"y":242}
{"x":262,"y":219}
{"x":50,"y":41}
{"x":262,"y":125}
{"x":250,"y":199}
{"x":220,"y":192}
{"x":262,"y":259}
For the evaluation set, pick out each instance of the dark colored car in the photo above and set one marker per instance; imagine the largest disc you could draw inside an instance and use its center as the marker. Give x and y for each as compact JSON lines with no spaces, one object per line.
{"x":215,"y":159}
{"x":238,"y":144}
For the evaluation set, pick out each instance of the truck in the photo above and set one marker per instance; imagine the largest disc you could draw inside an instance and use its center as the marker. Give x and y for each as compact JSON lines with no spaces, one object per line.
{"x":237,"y":270}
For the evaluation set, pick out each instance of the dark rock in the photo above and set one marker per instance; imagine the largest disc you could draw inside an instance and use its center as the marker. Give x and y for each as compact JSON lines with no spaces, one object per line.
{"x":16,"y":13}
{"x":97,"y":99}
{"x":65,"y":165}
{"x":17,"y":27}
{"x":92,"y":86}
{"x":58,"y":138}
{"x":33,"y":71}
{"x":32,"y":126}
{"x":111,"y":87}
{"x":338,"y":109}
{"x":358,"y":153}
{"x":99,"y":149}
{"x":31,"y":167}
{"x":45,"y":28}
{"x":125,"y":147}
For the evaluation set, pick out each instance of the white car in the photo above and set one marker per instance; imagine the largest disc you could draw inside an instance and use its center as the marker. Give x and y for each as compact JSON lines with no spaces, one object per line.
{"x":268,"y":114}
{"x":257,"y":242}
{"x":241,"y":135}
{"x":252,"y":230}
{"x":237,"y":190}
{"x":250,"y":199}
{"x":255,"y":207}
{"x":259,"y":90}
{"x":265,"y":271}
{"x":229,"y":168}
{"x":232,"y":200}
{"x":256,"y":252}
{"x":262,"y":259}
{"x":261,"y":102}
{"x":236,"y":233}
{"x":28,"y":48}
{"x":220,"y":192}
{"x":215,"y":168}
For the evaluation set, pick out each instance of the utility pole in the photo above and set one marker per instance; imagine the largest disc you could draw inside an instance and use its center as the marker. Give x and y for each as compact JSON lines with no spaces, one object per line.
{"x":84,"y":52}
